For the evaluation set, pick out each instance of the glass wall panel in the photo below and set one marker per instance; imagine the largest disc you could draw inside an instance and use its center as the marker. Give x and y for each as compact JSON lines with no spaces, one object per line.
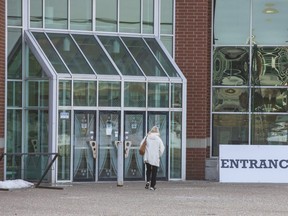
{"x":176,"y":95}
{"x":64,"y":93}
{"x":166,"y":22}
{"x":36,"y":14}
{"x":56,"y":14}
{"x":168,"y":43}
{"x":70,"y":53}
{"x":34,"y":68}
{"x":50,"y":53}
{"x":95,"y":55}
{"x":14,"y":93}
{"x":106,"y":15}
{"x":231,"y":66}
{"x":14,"y":10}
{"x":158,"y":95}
{"x":38,"y":93}
{"x":144,"y":57}
{"x":81,"y":19}
{"x":84,"y":93}
{"x":148,"y":16}
{"x":130,"y":16}
{"x":109,"y":94}
{"x":14,"y":46}
{"x":135,"y":94}
{"x":175,"y":145}
{"x":229,"y":129}
{"x":120,"y":56}
{"x":231,"y":22}
{"x":64,"y":145}
{"x":269,"y":129}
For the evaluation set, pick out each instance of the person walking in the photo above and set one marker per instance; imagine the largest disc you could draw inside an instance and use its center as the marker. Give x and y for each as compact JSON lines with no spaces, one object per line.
{"x":154,"y":150}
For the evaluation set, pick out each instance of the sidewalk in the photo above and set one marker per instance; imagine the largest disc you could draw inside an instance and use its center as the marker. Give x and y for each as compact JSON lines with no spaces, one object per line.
{"x":170,"y":198}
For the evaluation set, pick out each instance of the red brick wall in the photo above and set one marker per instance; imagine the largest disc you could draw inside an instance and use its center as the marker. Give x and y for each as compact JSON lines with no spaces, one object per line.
{"x":2,"y":79}
{"x":192,"y":54}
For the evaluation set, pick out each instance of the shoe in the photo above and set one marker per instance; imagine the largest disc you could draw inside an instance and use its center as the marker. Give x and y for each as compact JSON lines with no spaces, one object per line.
{"x":152,"y":188}
{"x":147,"y":185}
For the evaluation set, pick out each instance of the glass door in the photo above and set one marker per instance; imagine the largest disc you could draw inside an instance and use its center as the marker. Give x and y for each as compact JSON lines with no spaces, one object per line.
{"x":84,"y":146}
{"x":160,"y":119}
{"x":134,"y":133}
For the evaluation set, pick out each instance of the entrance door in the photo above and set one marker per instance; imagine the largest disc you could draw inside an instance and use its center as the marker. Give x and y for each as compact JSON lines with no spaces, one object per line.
{"x":84,"y":141}
{"x":134,"y":132}
{"x":109,"y":133}
{"x":160,"y":119}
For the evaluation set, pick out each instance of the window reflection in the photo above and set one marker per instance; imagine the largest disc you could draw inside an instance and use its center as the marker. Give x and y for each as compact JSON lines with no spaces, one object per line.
{"x":135,"y":94}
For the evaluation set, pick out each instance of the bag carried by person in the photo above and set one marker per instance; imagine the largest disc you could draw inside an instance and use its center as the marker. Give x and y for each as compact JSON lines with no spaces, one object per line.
{"x":143,"y":147}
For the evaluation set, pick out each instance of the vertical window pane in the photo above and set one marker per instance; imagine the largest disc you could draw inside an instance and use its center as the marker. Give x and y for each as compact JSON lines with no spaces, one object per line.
{"x":38,"y":93}
{"x":14,"y":12}
{"x":56,"y":14}
{"x":109,"y":94}
{"x":64,"y":93}
{"x":106,"y":15}
{"x":81,"y":19}
{"x":36,"y":14}
{"x":176,"y":95}
{"x":158,"y":95}
{"x":168,"y":43}
{"x":148,"y":16}
{"x":84,"y":93}
{"x":34,"y":68}
{"x":166,"y":22}
{"x":14,"y":54}
{"x":134,"y":95}
{"x":14,"y":94}
{"x":130,"y":16}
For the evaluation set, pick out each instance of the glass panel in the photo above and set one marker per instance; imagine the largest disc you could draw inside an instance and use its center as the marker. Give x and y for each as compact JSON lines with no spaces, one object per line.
{"x":120,"y":55}
{"x":166,"y":23}
{"x":130,"y":16}
{"x":176,"y":95}
{"x":229,"y":129}
{"x":64,"y":145}
{"x":161,"y":56}
{"x":158,"y":94}
{"x":134,"y":133}
{"x":231,"y":66}
{"x":270,"y":66}
{"x":50,"y":52}
{"x":81,"y":19}
{"x":70,"y":53}
{"x":231,"y":22}
{"x":267,"y":25}
{"x":269,"y":129}
{"x":135,"y":94}
{"x":230,"y":100}
{"x":14,"y":94}
{"x":106,"y":15}
{"x":175,"y":145}
{"x":168,"y":43}
{"x":84,"y":93}
{"x":34,"y":68}
{"x":36,"y":14}
{"x":95,"y":55}
{"x":56,"y":14}
{"x":148,"y":16}
{"x":14,"y":45}
{"x":84,"y":163}
{"x":109,"y":132}
{"x":109,"y":94}
{"x":14,"y":12}
{"x":270,"y":100}
{"x":64,"y":93}
{"x":144,"y":57}
{"x":14,"y":140}
{"x":38,"y":93}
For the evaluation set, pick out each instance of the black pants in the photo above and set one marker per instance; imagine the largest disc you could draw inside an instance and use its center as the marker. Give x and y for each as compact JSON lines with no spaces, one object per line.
{"x":151,"y":174}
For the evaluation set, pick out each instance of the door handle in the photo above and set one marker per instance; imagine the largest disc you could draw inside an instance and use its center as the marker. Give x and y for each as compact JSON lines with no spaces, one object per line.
{"x":127,"y":148}
{"x":93,"y":146}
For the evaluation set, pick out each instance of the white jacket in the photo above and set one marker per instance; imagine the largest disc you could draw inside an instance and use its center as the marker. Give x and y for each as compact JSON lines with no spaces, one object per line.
{"x":154,"y":149}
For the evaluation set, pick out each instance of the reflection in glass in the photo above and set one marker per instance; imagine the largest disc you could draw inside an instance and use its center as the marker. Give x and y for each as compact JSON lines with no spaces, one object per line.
{"x":230,"y":100}
{"x":34,"y":68}
{"x":166,"y":22}
{"x":81,"y":19}
{"x":158,"y":95}
{"x":168,"y":43}
{"x":231,"y":66}
{"x":109,"y":94}
{"x":84,"y":93}
{"x":229,"y":129}
{"x":38,"y":93}
{"x":176,"y":95}
{"x":120,"y":55}
{"x":14,"y":10}
{"x":270,"y":99}
{"x":134,"y":95}
{"x":269,"y":129}
{"x":148,"y":16}
{"x":14,"y":93}
{"x":106,"y":15}
{"x":95,"y":55}
{"x":14,"y":41}
{"x":64,"y":93}
{"x":36,"y":14}
{"x":130,"y":16}
{"x":56,"y":14}
{"x":144,"y":57}
{"x":270,"y":66}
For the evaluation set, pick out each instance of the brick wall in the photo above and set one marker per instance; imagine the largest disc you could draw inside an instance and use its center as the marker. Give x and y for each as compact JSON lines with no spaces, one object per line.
{"x":192,"y":54}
